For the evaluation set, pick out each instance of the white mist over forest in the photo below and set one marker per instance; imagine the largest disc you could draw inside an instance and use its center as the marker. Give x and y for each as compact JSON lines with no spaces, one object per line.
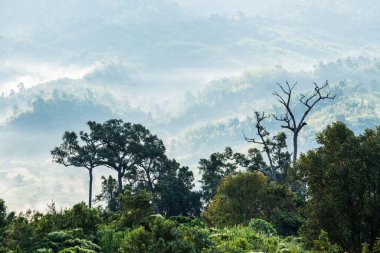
{"x":191,"y":71}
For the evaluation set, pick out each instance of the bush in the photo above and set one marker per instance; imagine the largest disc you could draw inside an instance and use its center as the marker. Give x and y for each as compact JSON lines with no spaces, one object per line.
{"x":138,"y":240}
{"x":324,"y":245}
{"x":262,"y":227}
{"x":286,"y":223}
{"x":110,"y":240}
{"x":76,"y":250}
{"x":60,"y":240}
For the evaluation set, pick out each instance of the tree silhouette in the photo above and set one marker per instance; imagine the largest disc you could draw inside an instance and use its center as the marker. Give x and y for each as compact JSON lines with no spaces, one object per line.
{"x":72,"y":153}
{"x":289,"y":119}
{"x":117,"y":141}
{"x":274,"y":148}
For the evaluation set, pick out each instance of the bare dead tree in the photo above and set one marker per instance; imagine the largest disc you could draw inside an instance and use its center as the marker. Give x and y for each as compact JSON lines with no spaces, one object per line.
{"x":274,"y":148}
{"x":289,"y":120}
{"x":264,"y":140}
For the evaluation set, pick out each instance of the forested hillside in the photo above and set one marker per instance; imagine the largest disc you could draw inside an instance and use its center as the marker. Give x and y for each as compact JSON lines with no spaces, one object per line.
{"x":238,"y":209}
{"x":265,"y":199}
{"x":199,"y":123}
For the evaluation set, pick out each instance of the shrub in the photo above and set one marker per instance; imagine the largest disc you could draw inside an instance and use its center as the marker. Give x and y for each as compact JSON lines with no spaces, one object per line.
{"x":262,"y":227}
{"x":110,"y":240}
{"x":138,"y":240}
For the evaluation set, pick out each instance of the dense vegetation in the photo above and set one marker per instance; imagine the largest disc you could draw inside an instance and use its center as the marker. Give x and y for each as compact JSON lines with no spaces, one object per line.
{"x":327,"y":200}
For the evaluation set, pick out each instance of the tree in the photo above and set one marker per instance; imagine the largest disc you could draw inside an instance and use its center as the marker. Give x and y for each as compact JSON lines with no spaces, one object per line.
{"x":274,"y":148}
{"x":3,"y":220}
{"x":214,"y":169}
{"x":19,"y":234}
{"x":136,"y":207}
{"x":151,"y":163}
{"x":109,"y":193}
{"x":175,"y":195}
{"x":343,"y":190}
{"x":71,"y":153}
{"x":118,"y":142}
{"x":80,"y":216}
{"x":289,"y":119}
{"x":248,"y":195}
{"x":253,"y":161}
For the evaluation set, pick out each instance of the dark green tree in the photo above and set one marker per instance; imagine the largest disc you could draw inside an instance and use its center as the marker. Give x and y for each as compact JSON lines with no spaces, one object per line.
{"x":151,"y":163}
{"x":343,"y":190}
{"x":252,"y":161}
{"x":119,"y":142}
{"x":73,"y":153}
{"x":18,"y":235}
{"x":175,"y":195}
{"x":248,"y":195}
{"x":3,"y":220}
{"x":135,"y":207}
{"x":214,"y":169}
{"x":109,"y":193}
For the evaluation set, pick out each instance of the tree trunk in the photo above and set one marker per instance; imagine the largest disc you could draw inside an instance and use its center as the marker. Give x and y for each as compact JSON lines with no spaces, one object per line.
{"x":90,"y":189}
{"x":295,"y":148}
{"x":151,"y":188}
{"x":120,"y":183}
{"x":272,"y":168}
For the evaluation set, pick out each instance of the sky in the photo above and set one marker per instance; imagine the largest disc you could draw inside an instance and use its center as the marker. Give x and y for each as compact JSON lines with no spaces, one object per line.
{"x":192,"y":71}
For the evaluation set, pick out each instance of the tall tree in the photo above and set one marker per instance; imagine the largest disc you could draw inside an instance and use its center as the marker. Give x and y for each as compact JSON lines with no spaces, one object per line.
{"x":174,"y":190}
{"x":150,"y":162}
{"x":289,"y":119}
{"x":343,"y":178}
{"x":214,"y":169}
{"x":3,"y":220}
{"x":118,"y":142}
{"x":109,"y":193}
{"x":248,"y":195}
{"x":72,"y":153}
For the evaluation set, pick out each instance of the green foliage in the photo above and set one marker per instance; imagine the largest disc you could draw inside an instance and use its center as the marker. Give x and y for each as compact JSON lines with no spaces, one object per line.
{"x":136,"y":241}
{"x":174,"y":192}
{"x":244,"y":196}
{"x":238,"y":199}
{"x":109,"y":193}
{"x":110,"y":239}
{"x":248,"y":212}
{"x":73,"y":153}
{"x":65,"y":240}
{"x":135,"y":207}
{"x":157,"y":235}
{"x":262,"y":227}
{"x":214,"y":170}
{"x":76,"y":249}
{"x":18,"y":234}
{"x":3,"y":221}
{"x":245,"y":239}
{"x":80,"y":216}
{"x":323,"y":244}
{"x":139,"y":158}
{"x":166,"y":236}
{"x":342,"y":177}
{"x":287,"y":222}
{"x":376,"y":247}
